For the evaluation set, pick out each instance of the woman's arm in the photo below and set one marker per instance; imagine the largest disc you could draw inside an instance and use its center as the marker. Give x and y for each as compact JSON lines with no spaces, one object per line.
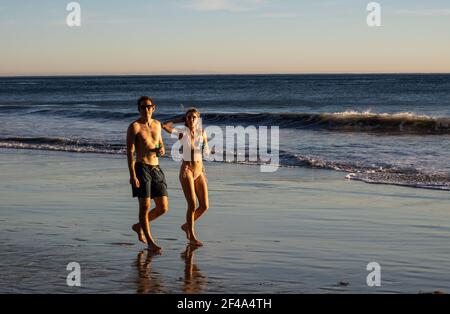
{"x":205,"y":146}
{"x":168,"y":125}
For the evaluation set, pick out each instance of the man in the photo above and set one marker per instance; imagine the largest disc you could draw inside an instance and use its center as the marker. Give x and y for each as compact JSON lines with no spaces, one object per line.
{"x":146,"y":177}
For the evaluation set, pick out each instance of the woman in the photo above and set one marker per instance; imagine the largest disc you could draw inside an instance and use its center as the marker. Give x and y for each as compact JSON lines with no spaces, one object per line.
{"x":192,"y":172}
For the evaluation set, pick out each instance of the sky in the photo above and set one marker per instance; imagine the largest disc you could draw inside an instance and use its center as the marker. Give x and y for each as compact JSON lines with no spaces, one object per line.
{"x":223,"y":36}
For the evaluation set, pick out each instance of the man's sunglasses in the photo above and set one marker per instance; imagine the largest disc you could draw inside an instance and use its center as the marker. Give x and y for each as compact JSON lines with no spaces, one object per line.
{"x":148,"y":107}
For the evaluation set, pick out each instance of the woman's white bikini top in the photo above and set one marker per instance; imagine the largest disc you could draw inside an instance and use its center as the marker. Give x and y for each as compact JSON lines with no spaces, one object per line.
{"x":192,"y":149}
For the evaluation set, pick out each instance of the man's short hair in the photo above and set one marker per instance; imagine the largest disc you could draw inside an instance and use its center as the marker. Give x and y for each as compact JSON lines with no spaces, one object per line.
{"x":142,"y":100}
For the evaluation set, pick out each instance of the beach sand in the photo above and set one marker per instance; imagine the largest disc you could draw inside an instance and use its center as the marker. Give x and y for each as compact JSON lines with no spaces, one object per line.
{"x":292,"y":231}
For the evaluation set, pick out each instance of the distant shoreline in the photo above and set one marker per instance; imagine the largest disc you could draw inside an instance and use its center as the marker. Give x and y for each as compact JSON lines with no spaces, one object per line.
{"x":222,"y":74}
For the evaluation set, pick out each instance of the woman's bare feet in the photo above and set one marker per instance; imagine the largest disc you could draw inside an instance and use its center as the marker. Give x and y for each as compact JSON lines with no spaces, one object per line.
{"x":186,"y":229}
{"x":190,"y":236}
{"x":137,"y":228}
{"x":195,"y":242}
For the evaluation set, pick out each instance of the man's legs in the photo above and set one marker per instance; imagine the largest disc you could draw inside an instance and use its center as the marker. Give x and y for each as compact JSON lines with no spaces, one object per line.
{"x":161,"y":207}
{"x":144,"y":208}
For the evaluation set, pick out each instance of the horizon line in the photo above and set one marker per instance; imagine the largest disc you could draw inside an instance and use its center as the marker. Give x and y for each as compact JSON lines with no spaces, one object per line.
{"x":215,"y":74}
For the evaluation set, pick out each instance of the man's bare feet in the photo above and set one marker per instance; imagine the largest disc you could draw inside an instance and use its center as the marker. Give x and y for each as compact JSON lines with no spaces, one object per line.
{"x":185,"y":229}
{"x":137,"y":228}
{"x":153,"y":248}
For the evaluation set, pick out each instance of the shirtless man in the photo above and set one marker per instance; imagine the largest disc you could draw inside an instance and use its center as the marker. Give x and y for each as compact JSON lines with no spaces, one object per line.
{"x":146,"y":177}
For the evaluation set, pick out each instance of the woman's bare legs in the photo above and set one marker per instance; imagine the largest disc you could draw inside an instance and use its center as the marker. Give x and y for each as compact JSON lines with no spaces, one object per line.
{"x":187,"y":183}
{"x":201,"y":191}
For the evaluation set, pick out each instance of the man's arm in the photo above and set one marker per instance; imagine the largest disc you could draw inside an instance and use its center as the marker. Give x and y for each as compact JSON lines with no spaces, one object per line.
{"x":162,"y":149}
{"x":131,"y":140}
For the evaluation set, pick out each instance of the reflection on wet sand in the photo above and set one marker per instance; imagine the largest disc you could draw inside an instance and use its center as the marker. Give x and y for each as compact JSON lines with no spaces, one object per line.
{"x":148,"y":281}
{"x":194,"y":280}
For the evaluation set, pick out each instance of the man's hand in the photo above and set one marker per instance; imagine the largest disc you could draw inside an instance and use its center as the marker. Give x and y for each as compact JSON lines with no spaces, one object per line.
{"x":135,"y":182}
{"x":161,"y":150}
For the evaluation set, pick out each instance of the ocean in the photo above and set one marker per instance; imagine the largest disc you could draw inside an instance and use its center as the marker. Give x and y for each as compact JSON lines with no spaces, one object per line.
{"x":377,"y":128}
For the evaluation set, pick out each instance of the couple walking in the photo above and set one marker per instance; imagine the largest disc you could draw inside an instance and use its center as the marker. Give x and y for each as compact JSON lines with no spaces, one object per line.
{"x":147,"y":179}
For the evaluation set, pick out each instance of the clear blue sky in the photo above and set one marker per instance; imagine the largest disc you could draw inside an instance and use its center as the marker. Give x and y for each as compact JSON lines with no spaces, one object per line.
{"x":223,"y":36}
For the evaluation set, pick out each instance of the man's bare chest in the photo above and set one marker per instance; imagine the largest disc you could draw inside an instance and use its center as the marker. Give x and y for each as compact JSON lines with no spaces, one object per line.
{"x":147,"y":135}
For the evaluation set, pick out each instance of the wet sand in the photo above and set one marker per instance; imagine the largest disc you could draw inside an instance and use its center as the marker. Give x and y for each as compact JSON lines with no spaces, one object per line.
{"x":293,"y":231}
